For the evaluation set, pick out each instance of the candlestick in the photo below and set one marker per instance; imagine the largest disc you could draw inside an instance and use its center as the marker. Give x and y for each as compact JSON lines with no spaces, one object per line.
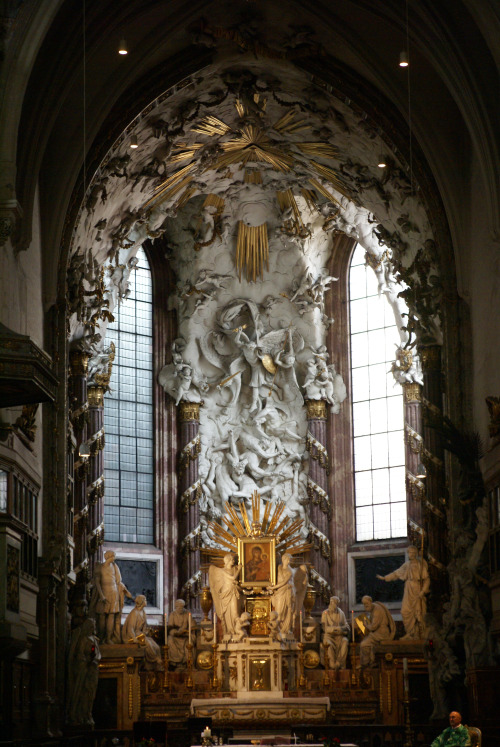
{"x":165,"y":625}
{"x":189,"y":629}
{"x":405,"y":676}
{"x":215,"y":628}
{"x":300,"y":623}
{"x":352,"y":624}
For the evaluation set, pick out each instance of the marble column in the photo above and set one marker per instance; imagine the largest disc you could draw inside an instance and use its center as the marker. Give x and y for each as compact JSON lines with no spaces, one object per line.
{"x":78,"y":407}
{"x":188,"y":506}
{"x":415,"y":487}
{"x":95,"y":485}
{"x":435,"y":526}
{"x":319,"y":502}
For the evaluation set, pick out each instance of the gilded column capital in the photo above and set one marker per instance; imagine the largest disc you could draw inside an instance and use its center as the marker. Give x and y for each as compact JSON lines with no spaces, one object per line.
{"x":79,"y":362}
{"x":189,"y":411}
{"x":316,"y":409}
{"x":95,"y":396}
{"x":430,"y":356}
{"x":412,"y":392}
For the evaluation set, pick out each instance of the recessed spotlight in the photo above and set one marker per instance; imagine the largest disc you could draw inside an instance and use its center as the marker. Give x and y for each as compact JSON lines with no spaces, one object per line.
{"x":403,"y":59}
{"x":133,"y":142}
{"x":122,"y":48}
{"x":381,"y":162}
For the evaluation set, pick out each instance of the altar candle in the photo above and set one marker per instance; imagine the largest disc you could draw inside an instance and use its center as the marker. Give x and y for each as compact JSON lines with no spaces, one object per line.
{"x":352,"y":624}
{"x":300,"y":623}
{"x":165,"y":626}
{"x":405,"y":676}
{"x":215,"y":628}
{"x":189,"y":629}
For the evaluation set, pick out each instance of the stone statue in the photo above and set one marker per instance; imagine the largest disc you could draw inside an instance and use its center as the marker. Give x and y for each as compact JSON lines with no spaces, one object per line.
{"x":83,"y":673}
{"x":379,"y":626}
{"x":177,"y":638}
{"x":283,"y":596}
{"x":135,"y":630}
{"x":323,"y":382}
{"x":335,"y":636}
{"x":241,"y":627}
{"x":274,"y":626}
{"x":413,"y":607}
{"x":107,"y":598}
{"x":226,"y":593}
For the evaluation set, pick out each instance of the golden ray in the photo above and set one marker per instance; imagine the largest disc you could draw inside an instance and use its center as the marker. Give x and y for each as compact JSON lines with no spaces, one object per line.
{"x":252,"y":249}
{"x":286,"y":123}
{"x":267,"y":512}
{"x":327,"y":173}
{"x":166,"y":194}
{"x":253,"y":176}
{"x":310,"y":198}
{"x":240,"y":108}
{"x":214,"y":201}
{"x":322,"y":190}
{"x":185,"y":197}
{"x":174,"y":178}
{"x":212,"y":126}
{"x":234,"y":516}
{"x":243,"y":512}
{"x":321,"y":150}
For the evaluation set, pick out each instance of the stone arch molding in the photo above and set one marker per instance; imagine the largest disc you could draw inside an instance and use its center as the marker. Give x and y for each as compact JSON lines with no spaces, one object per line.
{"x":247,"y":177}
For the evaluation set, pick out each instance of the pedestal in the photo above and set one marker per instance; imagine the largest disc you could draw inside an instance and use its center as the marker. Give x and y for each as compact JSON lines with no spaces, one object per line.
{"x":257,"y":665}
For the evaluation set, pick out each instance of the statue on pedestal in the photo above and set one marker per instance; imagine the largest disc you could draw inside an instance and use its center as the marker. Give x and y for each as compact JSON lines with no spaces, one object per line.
{"x":335,"y":636}
{"x":135,"y":630}
{"x":283,"y":596}
{"x":226,"y":592}
{"x":414,"y":605}
{"x":178,"y":631}
{"x":380,"y":627}
{"x":107,"y":599}
{"x":83,"y":673}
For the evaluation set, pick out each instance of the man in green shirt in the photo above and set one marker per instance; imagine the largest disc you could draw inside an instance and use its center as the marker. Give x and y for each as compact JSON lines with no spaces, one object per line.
{"x":455,"y":735}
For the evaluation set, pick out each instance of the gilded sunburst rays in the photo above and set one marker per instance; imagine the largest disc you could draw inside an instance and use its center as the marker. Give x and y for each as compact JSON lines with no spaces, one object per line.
{"x":252,"y":144}
{"x":273,"y":524}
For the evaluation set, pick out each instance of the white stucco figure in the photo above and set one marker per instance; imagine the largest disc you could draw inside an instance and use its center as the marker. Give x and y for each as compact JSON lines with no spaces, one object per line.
{"x":283,"y":596}
{"x":415,"y":574}
{"x":83,"y":670}
{"x":226,"y":593}
{"x":177,"y":636}
{"x":379,"y":627}
{"x":107,"y":598}
{"x":135,"y":630}
{"x":335,"y":635}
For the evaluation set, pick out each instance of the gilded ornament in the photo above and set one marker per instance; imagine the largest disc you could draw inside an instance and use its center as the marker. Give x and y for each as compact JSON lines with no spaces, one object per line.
{"x":316,"y":409}
{"x":79,"y":362}
{"x":206,"y":601}
{"x":309,"y":600}
{"x":311,"y":659}
{"x":430,"y":357}
{"x":189,"y":411}
{"x":95,"y":396}
{"x":205,"y":660}
{"x":412,"y":392}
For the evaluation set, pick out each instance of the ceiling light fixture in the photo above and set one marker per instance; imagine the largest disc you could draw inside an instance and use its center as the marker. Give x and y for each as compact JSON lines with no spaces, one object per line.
{"x":403,"y":59}
{"x":381,"y":162}
{"x":133,"y":142}
{"x":122,"y":48}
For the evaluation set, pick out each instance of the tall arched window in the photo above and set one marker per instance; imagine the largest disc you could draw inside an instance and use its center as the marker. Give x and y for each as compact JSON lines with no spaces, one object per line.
{"x":128,"y":416}
{"x":378,"y":414}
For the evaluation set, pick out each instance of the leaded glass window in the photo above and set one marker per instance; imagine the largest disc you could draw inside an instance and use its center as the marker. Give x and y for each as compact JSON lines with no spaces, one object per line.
{"x":128,"y":416}
{"x":378,"y":412}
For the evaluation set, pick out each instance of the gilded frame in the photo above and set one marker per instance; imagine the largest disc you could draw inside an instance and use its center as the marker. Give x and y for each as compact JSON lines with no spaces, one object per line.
{"x":258,"y":569}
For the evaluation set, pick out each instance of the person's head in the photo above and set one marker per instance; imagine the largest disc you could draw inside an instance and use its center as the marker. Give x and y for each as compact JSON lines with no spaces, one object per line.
{"x":179,"y":605}
{"x":367,"y":603}
{"x":228,"y":560}
{"x":140,"y":601}
{"x":455,"y":719}
{"x":334,"y":602}
{"x":286,"y":558}
{"x":256,"y":553}
{"x":109,"y":555}
{"x":412,"y":552}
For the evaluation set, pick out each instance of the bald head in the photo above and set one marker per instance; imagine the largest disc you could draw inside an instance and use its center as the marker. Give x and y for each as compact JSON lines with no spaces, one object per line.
{"x":455,"y":719}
